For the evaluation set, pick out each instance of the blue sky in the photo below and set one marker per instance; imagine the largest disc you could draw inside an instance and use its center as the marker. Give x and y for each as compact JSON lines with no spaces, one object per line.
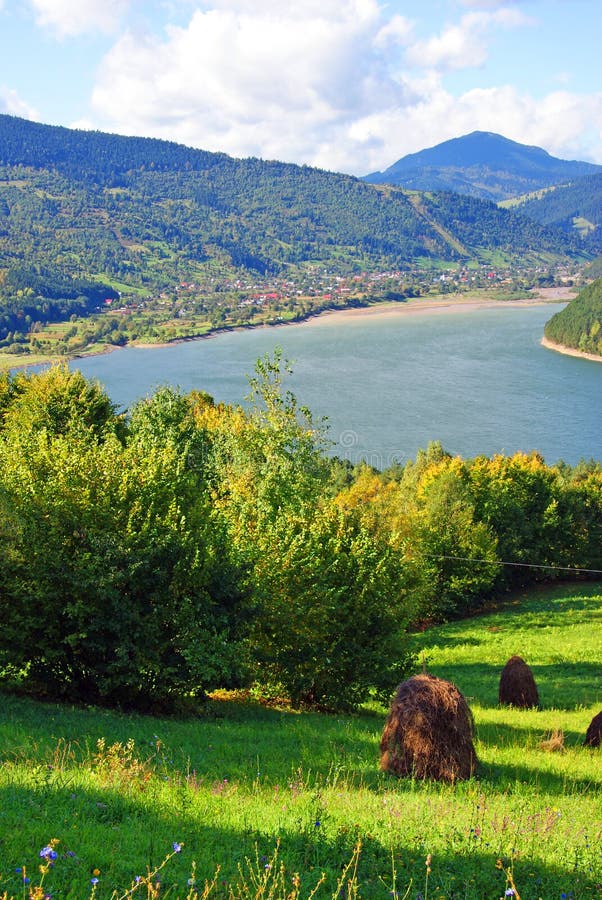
{"x":348,"y":85}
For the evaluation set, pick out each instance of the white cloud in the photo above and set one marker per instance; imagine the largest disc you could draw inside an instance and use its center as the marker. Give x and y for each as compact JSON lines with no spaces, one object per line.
{"x":464,"y":45}
{"x":487,"y":4}
{"x":560,"y":123}
{"x":276,"y":83}
{"x":323,"y":82}
{"x":11,"y":103}
{"x":73,"y":17}
{"x":397,"y":30}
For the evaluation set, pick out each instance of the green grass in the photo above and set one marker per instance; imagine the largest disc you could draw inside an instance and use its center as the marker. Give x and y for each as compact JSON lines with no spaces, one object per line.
{"x":241,"y":779}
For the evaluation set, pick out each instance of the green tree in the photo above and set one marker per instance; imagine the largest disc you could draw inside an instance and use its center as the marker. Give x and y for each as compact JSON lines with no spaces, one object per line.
{"x":56,"y":401}
{"x":332,"y":605}
{"x":454,"y":551}
{"x":119,"y":583}
{"x":334,"y":611}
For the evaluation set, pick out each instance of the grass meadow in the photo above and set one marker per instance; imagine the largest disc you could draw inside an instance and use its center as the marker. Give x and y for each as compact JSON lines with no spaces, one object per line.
{"x":265,"y":802}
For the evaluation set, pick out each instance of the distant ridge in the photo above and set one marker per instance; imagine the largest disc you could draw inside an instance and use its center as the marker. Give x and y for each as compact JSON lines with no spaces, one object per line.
{"x":574,"y":206}
{"x":144,"y":215}
{"x":482,"y":164}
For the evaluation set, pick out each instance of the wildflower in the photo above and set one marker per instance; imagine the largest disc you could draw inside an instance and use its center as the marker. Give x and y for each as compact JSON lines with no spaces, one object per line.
{"x":177,"y":848}
{"x":317,"y":823}
{"x":509,"y":892}
{"x":48,"y":853}
{"x":94,"y":880}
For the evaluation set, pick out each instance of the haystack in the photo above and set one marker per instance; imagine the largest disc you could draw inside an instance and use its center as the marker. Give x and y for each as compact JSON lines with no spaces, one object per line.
{"x":593,"y":735}
{"x":428,"y":732}
{"x":554,"y":742}
{"x":517,"y":685}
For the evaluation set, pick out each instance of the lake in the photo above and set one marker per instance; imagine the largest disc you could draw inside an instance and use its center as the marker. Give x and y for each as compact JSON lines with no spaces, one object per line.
{"x":477,"y":380}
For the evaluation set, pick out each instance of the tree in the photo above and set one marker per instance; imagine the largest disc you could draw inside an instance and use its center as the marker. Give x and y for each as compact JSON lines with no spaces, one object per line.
{"x":119,"y":583}
{"x":56,"y":401}
{"x":331,"y":599}
{"x":455,"y":552}
{"x":334,"y":610}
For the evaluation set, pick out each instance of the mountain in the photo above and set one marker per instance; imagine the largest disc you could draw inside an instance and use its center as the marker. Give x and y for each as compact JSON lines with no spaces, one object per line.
{"x":576,"y":206}
{"x":482,"y":165}
{"x":85,"y":215}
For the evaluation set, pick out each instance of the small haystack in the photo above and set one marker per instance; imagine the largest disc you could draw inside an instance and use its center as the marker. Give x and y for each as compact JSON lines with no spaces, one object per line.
{"x":428,"y":732}
{"x":593,"y":735}
{"x":554,"y":742}
{"x":517,"y":685}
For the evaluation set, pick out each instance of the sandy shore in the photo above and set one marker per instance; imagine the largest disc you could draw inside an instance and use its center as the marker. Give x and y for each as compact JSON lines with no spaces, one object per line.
{"x":569,"y":351}
{"x":450,"y":303}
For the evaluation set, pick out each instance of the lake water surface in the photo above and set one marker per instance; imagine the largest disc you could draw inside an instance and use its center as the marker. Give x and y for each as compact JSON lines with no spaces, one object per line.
{"x":476,"y":380}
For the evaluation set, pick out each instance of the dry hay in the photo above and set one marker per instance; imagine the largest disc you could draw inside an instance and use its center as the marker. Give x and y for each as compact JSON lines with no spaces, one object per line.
{"x":517,"y":685}
{"x":593,"y":735}
{"x":428,"y":732}
{"x":554,"y":743}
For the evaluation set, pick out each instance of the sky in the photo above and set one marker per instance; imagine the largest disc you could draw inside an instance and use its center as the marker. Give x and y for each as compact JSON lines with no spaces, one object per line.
{"x":346,"y":85}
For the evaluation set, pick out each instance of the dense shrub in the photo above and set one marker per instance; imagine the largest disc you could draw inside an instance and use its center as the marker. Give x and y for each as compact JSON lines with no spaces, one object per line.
{"x":118,"y":581}
{"x":150,"y":557}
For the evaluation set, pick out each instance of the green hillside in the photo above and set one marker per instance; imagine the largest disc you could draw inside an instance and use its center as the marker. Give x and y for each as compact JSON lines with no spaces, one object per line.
{"x":86,"y":217}
{"x":241,"y":780}
{"x":579,"y":325}
{"x":574,"y":207}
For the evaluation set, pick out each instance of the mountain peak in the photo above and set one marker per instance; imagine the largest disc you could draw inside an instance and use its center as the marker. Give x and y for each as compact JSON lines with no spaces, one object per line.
{"x":482,"y":164}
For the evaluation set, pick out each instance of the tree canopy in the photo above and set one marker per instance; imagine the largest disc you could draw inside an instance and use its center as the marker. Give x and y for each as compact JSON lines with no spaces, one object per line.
{"x":149,"y":557}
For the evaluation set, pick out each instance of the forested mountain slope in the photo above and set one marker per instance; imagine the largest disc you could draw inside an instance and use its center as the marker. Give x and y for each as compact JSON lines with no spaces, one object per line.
{"x":482,"y":165}
{"x":573,"y":206}
{"x":84,"y":215}
{"x":119,"y":203}
{"x":579,"y":325}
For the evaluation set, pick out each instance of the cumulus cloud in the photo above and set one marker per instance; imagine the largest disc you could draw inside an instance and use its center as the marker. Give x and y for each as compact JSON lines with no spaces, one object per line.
{"x":275,"y":82}
{"x":11,"y":103}
{"x":463,"y":45}
{"x":560,"y":122}
{"x":339,"y":84}
{"x":72,"y":17}
{"x":397,"y":30}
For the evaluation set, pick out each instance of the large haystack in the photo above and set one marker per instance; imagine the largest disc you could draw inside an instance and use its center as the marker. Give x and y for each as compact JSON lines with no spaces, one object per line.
{"x":517,"y":685}
{"x":593,"y":735}
{"x":428,"y":732}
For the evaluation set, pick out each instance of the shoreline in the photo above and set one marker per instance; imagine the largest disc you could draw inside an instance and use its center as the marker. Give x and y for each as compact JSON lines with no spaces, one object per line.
{"x":569,"y":351}
{"x":441,"y":304}
{"x":449,"y":303}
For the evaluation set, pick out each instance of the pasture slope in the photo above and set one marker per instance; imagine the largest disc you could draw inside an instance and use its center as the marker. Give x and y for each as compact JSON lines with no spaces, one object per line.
{"x":277,"y":797}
